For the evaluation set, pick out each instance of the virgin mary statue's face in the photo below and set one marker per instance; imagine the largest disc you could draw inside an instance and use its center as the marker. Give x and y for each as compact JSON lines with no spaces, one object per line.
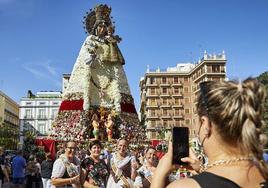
{"x":101,"y":29}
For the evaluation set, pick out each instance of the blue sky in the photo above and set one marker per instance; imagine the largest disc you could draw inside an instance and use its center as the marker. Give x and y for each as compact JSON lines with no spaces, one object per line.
{"x":40,"y":39}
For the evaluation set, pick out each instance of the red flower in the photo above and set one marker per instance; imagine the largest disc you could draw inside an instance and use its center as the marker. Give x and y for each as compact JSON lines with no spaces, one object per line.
{"x":72,"y":105}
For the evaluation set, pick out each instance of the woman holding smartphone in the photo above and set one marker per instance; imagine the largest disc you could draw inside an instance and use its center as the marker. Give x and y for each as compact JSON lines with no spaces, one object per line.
{"x":230,"y":131}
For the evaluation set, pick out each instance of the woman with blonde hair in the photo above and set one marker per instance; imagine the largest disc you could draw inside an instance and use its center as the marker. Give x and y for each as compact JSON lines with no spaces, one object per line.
{"x":230,"y":131}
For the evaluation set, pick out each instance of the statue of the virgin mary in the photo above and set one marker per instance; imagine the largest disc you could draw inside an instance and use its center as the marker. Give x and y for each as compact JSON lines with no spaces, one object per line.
{"x":98,"y":83}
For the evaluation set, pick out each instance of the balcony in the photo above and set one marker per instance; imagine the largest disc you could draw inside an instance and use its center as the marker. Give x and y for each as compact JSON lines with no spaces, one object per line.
{"x":152,"y":105}
{"x":178,"y":105}
{"x":178,"y":116}
{"x":164,"y":94}
{"x":179,"y":83}
{"x":28,"y":117}
{"x":41,"y":117}
{"x":165,"y":105}
{"x":164,"y":84}
{"x":152,"y":116}
{"x":152,"y":95}
{"x":178,"y":94}
{"x":166,"y":116}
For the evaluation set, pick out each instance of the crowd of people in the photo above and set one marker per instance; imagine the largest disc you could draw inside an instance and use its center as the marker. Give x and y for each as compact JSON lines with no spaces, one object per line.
{"x":98,"y":168}
{"x":230,"y":133}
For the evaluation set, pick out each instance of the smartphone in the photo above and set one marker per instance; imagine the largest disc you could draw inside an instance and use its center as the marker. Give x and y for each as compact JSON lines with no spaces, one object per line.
{"x":180,"y":142}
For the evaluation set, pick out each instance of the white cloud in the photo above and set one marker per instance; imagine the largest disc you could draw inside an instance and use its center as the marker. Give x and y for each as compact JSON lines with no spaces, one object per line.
{"x":43,"y":70}
{"x":51,"y":69}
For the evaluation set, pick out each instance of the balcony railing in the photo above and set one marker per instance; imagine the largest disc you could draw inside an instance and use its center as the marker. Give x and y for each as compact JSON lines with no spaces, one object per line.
{"x":41,"y":117}
{"x":28,"y":117}
{"x":178,"y":116}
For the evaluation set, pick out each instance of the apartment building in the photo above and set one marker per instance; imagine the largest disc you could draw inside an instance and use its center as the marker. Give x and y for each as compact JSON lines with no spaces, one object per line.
{"x":37,"y":112}
{"x":9,"y":122}
{"x":169,"y":97}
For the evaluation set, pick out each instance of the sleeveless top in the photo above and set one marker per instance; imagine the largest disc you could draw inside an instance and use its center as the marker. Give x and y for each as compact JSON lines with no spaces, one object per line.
{"x":210,"y":180}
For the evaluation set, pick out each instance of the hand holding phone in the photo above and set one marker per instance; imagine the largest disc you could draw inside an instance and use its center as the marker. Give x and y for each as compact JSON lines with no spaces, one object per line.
{"x":180,"y":144}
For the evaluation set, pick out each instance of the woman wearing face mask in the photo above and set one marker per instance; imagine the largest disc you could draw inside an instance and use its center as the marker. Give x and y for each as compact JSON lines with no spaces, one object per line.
{"x":230,"y":131}
{"x":145,"y":172}
{"x":95,"y":171}
{"x":123,"y":167}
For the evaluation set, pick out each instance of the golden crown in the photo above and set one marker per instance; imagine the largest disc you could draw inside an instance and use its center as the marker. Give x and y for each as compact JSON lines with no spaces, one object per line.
{"x":101,"y":13}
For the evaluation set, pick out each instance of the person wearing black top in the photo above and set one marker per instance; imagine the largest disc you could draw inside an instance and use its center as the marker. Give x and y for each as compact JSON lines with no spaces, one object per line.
{"x":95,"y":172}
{"x":46,"y":170}
{"x":231,"y":133}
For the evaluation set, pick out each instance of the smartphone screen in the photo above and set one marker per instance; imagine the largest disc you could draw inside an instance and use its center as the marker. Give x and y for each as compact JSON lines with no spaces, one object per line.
{"x":180,"y":142}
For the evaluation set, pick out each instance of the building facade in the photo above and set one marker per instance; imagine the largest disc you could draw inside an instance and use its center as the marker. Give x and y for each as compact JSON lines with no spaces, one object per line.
{"x":65,"y":81}
{"x":37,"y":112}
{"x":9,"y":122}
{"x":169,"y":97}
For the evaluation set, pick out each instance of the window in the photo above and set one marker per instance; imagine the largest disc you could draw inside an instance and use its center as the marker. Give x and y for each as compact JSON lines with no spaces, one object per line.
{"x":164,"y":112}
{"x":54,"y":113}
{"x":55,"y":103}
{"x":187,"y":100}
{"x":42,"y":128}
{"x":153,"y":123}
{"x":28,"y":113}
{"x":177,"y":123}
{"x":165,"y":123}
{"x":176,"y":80}
{"x":186,"y":89}
{"x":152,"y":91}
{"x":152,"y":112}
{"x":153,"y":135}
{"x":177,"y":112}
{"x":215,"y":68}
{"x":164,"y":80}
{"x":164,"y":90}
{"x":28,"y":103}
{"x":187,"y":111}
{"x":164,"y":101}
{"x":42,"y":103}
{"x":152,"y":80}
{"x":41,"y":113}
{"x":153,"y":102}
{"x":177,"y":101}
{"x":187,"y":122}
{"x":186,"y":79}
{"x":176,"y":90}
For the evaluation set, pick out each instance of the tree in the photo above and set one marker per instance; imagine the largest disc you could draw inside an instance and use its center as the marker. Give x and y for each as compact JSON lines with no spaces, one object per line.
{"x":263,"y":78}
{"x":29,"y":147}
